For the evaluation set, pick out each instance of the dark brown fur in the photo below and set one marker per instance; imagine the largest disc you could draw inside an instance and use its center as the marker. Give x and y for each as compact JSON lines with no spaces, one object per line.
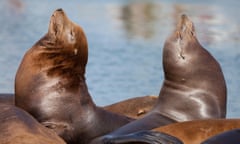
{"x":50,"y":85}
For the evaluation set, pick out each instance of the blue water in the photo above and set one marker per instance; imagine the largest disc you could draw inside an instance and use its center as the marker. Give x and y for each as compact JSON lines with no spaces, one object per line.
{"x":125,"y":41}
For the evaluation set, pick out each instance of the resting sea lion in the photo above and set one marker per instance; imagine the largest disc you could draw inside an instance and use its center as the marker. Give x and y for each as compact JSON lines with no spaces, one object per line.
{"x":50,"y":85}
{"x":194,"y":85}
{"x":135,"y":107}
{"x":18,"y":127}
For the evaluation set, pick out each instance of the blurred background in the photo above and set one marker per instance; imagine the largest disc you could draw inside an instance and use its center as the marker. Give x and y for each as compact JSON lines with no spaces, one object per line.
{"x":125,"y":39}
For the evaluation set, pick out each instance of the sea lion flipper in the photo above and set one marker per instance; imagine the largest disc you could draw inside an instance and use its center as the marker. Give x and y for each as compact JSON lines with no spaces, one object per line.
{"x":148,"y":137}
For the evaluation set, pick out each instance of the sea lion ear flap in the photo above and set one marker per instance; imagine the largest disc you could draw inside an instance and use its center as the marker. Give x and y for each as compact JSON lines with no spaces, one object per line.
{"x":58,"y":127}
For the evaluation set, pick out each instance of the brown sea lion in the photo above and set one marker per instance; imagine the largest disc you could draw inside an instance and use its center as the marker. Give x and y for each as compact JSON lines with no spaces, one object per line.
{"x":135,"y":107}
{"x":7,"y":98}
{"x":18,"y":127}
{"x":50,"y":85}
{"x":194,"y":85}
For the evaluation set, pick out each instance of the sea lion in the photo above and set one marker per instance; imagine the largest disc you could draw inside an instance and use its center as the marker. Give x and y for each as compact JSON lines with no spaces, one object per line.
{"x":135,"y":107}
{"x":50,"y":84}
{"x":19,"y":127}
{"x":7,"y":98}
{"x":194,"y":85}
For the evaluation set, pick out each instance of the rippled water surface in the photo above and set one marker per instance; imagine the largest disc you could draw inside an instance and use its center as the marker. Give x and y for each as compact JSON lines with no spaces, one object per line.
{"x":125,"y":41}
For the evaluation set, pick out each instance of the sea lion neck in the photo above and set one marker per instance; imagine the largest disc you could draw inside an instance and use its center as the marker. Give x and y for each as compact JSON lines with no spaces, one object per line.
{"x":57,"y":61}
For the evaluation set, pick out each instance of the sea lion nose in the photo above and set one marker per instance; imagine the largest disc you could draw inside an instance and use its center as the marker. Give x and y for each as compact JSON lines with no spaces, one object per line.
{"x":60,"y":9}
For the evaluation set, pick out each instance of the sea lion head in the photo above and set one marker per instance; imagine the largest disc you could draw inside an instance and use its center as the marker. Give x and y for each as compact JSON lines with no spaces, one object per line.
{"x":61,"y":54}
{"x":178,"y":50}
{"x":64,"y":32}
{"x":185,"y":60}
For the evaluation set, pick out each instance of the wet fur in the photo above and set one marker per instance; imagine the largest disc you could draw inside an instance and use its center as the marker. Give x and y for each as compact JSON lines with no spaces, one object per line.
{"x":193,"y":88}
{"x":50,"y":85}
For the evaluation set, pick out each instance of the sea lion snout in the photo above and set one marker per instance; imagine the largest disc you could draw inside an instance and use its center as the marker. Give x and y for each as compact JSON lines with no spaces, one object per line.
{"x":58,"y":22}
{"x":185,"y":28}
{"x":60,"y":9}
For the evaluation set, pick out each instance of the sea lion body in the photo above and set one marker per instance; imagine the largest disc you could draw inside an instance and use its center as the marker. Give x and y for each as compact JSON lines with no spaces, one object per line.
{"x":194,"y":86}
{"x":18,"y":127}
{"x":135,"y":107}
{"x":50,"y":85}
